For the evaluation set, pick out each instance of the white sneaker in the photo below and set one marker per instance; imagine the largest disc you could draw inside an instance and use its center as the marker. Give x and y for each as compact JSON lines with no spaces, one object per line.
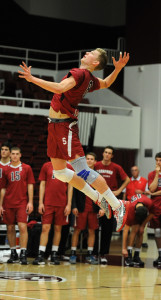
{"x":121,"y":214}
{"x":103,"y":260}
{"x":106,"y":207}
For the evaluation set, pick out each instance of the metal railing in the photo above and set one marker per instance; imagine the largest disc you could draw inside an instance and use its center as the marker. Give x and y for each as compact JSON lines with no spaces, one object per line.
{"x":100,"y":108}
{"x":51,"y":60}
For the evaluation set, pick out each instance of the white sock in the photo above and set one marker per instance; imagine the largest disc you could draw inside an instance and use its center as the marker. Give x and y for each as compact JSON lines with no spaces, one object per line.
{"x":90,"y":192}
{"x":55,"y":248}
{"x":42,"y":248}
{"x":112,"y":200}
{"x":137,"y":249}
{"x":90,"y":248}
{"x":73,"y":248}
{"x":129,"y":248}
{"x":12,"y":248}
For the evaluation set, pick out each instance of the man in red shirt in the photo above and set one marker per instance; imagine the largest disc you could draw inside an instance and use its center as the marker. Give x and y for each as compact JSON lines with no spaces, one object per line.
{"x":4,"y":162}
{"x":141,"y":211}
{"x":154,"y":183}
{"x":15,"y":205}
{"x":85,"y":212}
{"x":54,"y":203}
{"x":112,"y":173}
{"x":63,"y":139}
{"x":5,"y":158}
{"x":137,"y":186}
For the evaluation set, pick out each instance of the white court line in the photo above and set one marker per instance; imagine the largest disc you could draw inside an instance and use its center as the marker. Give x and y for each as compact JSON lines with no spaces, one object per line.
{"x":20,"y":297}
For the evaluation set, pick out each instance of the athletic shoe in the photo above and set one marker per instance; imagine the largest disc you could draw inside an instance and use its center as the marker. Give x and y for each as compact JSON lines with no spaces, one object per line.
{"x":54,"y":259}
{"x":106,"y":207}
{"x":64,"y":258}
{"x":13,"y":258}
{"x":157,"y":262}
{"x":91,"y":259}
{"x":121,"y":214}
{"x":23,"y":257}
{"x":39,"y":260}
{"x":103,"y":260}
{"x":138,"y":262}
{"x":73,"y":259}
{"x":128,"y":261}
{"x":144,"y":245}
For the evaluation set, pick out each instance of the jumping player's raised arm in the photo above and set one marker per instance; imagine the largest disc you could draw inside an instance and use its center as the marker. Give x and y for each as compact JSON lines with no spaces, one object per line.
{"x":50,"y":86}
{"x":119,"y":65}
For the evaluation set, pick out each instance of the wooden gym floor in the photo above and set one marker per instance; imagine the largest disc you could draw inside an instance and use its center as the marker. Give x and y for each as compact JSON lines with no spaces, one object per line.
{"x":83,"y":281}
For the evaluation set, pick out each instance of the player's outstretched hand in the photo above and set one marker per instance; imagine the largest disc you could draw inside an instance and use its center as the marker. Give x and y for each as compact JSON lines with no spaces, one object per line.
{"x":123,"y":60}
{"x":26,"y":73}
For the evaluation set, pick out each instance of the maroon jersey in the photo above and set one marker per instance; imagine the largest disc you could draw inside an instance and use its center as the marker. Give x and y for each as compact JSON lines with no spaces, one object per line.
{"x":68,"y":101}
{"x":88,"y":204}
{"x":16,"y":180}
{"x":131,"y":213}
{"x":111,"y":173}
{"x":156,"y":199}
{"x":2,"y":169}
{"x":135,"y":184}
{"x":55,"y":190}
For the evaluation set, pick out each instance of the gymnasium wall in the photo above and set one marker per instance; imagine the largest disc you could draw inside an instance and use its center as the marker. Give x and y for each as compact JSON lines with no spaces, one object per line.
{"x":142,"y":84}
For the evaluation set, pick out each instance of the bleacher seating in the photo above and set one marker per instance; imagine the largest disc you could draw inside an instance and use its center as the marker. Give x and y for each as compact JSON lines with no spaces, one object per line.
{"x":14,"y":86}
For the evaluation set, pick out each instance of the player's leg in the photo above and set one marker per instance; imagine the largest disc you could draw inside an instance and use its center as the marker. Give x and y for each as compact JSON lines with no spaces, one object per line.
{"x":129,"y":260}
{"x":23,"y":242}
{"x":66,"y":175}
{"x":145,"y":238}
{"x":59,"y":220}
{"x":138,"y":243}
{"x":40,"y":260}
{"x":157,"y":233}
{"x":74,"y":244}
{"x":55,"y":245}
{"x":21,"y":218}
{"x":155,"y":223}
{"x":9,"y":220}
{"x":119,"y":207}
{"x":92,"y":226}
{"x":11,"y":235}
{"x":79,"y":225}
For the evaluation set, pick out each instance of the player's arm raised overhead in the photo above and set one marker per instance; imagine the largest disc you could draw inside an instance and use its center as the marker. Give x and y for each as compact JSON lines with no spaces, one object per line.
{"x":119,"y":65}
{"x":50,"y":86}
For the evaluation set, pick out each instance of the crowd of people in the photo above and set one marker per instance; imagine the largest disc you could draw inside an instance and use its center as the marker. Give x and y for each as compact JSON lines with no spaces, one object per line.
{"x":61,"y":206}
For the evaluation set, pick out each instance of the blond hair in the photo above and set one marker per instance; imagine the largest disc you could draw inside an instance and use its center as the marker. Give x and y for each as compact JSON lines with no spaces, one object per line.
{"x":102,"y":58}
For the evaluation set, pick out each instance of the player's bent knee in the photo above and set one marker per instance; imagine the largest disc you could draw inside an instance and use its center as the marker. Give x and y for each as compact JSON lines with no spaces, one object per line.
{"x":64,"y":175}
{"x":157,"y":232}
{"x":82,"y":170}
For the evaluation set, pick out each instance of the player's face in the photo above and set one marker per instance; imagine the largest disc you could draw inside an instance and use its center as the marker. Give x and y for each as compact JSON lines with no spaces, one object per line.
{"x":5,"y":152}
{"x":90,"y":57}
{"x":15,"y":156}
{"x":107,"y":154}
{"x":158,"y":162}
{"x":90,"y":161}
{"x":135,"y":172}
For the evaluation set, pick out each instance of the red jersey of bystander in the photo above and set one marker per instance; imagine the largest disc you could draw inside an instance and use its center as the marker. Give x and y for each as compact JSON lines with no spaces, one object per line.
{"x":15,"y":180}
{"x":131,"y":213}
{"x":156,"y":199}
{"x":55,"y":190}
{"x":2,"y":169}
{"x":111,"y":173}
{"x":135,"y":184}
